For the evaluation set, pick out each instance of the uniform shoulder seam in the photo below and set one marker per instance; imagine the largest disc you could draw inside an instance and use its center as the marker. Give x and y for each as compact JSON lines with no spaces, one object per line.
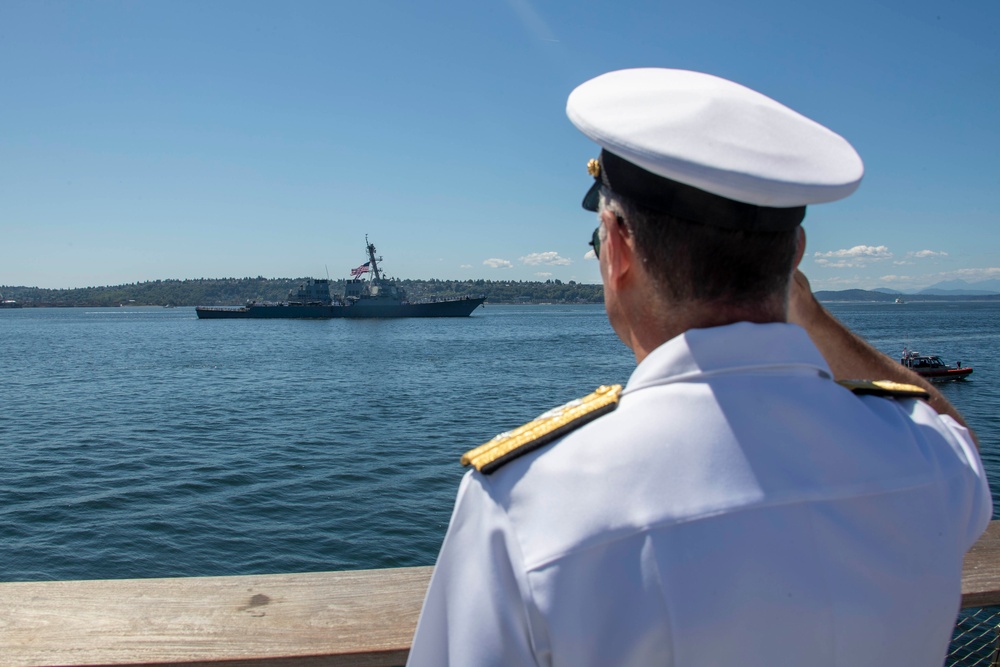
{"x":555,"y":423}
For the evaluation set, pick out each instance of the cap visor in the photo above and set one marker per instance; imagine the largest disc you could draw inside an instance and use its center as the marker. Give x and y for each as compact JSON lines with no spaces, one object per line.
{"x":593,"y":196}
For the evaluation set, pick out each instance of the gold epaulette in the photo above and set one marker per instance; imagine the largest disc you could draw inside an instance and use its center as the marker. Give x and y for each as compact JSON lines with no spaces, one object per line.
{"x":553,"y":424}
{"x":886,"y":388}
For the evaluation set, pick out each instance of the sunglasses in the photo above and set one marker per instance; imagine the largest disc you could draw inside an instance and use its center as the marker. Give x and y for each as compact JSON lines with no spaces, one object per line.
{"x":595,"y":242}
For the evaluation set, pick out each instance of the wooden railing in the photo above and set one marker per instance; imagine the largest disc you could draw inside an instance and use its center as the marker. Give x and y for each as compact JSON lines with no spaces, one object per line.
{"x":364,"y":618}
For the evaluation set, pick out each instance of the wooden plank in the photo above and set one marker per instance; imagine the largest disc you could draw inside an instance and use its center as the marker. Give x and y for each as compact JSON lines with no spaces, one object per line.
{"x":981,"y":573}
{"x":363,"y":618}
{"x":338,"y":619}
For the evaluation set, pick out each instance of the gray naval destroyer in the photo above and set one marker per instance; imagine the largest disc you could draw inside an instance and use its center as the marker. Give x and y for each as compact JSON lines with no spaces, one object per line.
{"x":374,"y":297}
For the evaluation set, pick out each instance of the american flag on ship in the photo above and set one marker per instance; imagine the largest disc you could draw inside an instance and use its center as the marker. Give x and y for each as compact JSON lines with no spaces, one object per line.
{"x":361,"y":269}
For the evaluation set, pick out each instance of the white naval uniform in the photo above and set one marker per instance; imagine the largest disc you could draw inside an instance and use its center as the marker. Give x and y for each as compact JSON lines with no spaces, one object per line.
{"x":738,"y":508}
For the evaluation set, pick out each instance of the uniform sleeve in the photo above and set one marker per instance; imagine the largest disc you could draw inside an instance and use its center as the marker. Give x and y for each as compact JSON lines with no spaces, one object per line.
{"x":474,"y":613}
{"x":979,"y":498}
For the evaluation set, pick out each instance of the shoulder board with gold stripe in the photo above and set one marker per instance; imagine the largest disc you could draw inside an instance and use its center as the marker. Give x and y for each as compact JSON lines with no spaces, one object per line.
{"x":553,"y":424}
{"x":886,"y":388}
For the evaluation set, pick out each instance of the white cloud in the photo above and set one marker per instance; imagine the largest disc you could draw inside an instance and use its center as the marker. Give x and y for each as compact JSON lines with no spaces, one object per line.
{"x":590,"y":254}
{"x":902,"y":262}
{"x":543,"y":274}
{"x":901,"y":280}
{"x":895,"y":281}
{"x":549,"y":258}
{"x":974,"y":275}
{"x":922,"y":254}
{"x":853,"y":258}
{"x":465,"y":266}
{"x":859,"y":252}
{"x":838,"y":283}
{"x":496,"y":263}
{"x":532,"y":20}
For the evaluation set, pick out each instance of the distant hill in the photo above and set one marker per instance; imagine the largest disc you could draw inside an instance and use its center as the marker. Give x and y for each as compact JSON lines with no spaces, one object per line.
{"x":889,"y":297}
{"x":955,"y":292}
{"x":237,"y":291}
{"x":959,"y":287}
{"x":855,"y":295}
{"x":950,"y":288}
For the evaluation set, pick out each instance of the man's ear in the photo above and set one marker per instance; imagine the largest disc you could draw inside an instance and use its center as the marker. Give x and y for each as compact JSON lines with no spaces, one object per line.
{"x":800,"y":247}
{"x":618,"y":245}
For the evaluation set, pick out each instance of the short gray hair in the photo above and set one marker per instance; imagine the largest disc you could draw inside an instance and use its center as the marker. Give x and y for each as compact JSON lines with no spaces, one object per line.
{"x":692,"y":262}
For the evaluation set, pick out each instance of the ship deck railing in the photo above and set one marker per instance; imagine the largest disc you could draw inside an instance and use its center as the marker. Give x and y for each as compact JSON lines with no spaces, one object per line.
{"x":360,"y":618}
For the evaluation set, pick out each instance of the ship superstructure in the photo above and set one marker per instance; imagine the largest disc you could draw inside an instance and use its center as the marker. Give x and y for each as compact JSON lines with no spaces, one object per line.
{"x":376,"y":296}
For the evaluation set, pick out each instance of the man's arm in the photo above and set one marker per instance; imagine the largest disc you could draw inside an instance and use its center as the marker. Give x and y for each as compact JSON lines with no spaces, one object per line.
{"x":473,"y":613}
{"x":848,"y":355}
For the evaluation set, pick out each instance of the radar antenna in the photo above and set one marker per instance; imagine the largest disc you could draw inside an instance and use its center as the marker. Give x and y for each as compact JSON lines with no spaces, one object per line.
{"x":373,"y":261}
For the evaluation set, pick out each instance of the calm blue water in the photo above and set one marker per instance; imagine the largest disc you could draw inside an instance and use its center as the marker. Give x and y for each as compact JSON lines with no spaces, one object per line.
{"x":142,"y":442}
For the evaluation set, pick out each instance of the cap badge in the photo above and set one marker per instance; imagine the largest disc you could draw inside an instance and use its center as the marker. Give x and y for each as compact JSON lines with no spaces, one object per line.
{"x":594,"y":168}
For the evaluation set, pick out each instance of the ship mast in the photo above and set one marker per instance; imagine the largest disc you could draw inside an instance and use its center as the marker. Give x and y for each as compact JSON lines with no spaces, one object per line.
{"x":373,"y":262}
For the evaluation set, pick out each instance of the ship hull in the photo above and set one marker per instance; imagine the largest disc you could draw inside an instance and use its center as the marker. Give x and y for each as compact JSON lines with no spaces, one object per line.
{"x":360,"y":309}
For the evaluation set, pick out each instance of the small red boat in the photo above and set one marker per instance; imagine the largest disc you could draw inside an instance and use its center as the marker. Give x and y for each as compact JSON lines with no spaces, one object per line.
{"x":932,"y":368}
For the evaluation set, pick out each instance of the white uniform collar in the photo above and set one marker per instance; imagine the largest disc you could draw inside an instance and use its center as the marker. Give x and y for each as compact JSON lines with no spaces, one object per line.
{"x":734,"y":348}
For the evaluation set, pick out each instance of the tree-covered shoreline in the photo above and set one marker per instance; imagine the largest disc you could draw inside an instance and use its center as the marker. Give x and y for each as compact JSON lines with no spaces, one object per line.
{"x":237,"y":291}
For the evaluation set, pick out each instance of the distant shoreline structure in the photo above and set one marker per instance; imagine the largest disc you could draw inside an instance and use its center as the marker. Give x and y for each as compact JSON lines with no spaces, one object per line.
{"x":238,"y":291}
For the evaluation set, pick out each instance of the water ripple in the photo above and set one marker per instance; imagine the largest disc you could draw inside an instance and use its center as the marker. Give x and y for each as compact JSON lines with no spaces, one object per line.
{"x":147,"y":443}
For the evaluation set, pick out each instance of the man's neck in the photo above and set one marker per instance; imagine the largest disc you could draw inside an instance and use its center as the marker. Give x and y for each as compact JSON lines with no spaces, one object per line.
{"x":652,"y":324}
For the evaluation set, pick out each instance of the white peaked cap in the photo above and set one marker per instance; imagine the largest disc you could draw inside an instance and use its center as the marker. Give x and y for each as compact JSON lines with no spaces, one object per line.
{"x":714,"y":135}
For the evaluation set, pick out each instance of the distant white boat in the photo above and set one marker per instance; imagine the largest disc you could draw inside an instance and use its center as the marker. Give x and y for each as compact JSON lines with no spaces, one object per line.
{"x":899,"y":299}
{"x":8,"y":303}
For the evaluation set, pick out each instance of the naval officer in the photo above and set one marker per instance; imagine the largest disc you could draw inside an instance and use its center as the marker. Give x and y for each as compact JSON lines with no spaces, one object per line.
{"x":734,"y":503}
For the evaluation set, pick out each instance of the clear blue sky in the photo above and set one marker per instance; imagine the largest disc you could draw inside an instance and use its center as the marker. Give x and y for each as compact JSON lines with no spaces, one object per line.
{"x":150,"y":139}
